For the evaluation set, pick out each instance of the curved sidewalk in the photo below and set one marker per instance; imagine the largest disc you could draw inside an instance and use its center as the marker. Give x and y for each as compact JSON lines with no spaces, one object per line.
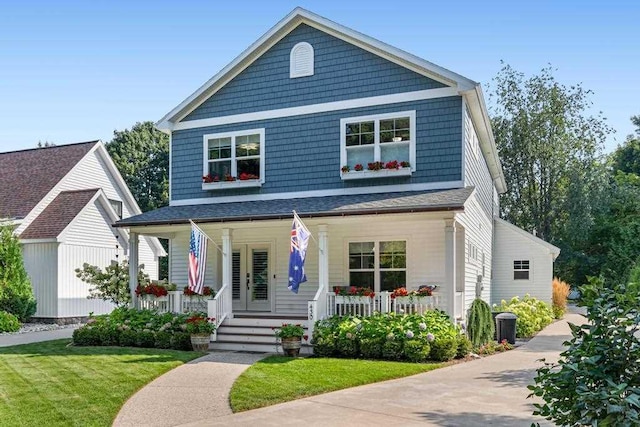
{"x":194,"y":391}
{"x":488,"y":391}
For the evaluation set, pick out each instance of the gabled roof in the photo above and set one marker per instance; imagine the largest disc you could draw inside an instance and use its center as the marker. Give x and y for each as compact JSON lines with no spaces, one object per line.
{"x":361,"y":204}
{"x":26,"y":176}
{"x":553,"y":250}
{"x":467,"y":88}
{"x":58,"y":214}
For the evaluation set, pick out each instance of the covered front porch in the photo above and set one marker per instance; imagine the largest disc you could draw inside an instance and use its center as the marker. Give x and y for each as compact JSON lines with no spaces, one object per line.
{"x":381,"y":250}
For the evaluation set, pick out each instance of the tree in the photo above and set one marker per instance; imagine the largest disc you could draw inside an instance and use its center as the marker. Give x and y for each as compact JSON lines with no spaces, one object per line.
{"x":112,"y":284}
{"x":550,"y":151}
{"x":626,"y":158}
{"x":16,"y":295}
{"x":142,"y":157}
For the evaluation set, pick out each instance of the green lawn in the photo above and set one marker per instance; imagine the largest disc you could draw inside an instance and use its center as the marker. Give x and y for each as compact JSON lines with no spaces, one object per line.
{"x":50,"y":384}
{"x":279,"y":379}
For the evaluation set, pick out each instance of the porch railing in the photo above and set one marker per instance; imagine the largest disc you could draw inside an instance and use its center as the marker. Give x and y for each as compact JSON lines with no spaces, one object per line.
{"x":220,"y":306}
{"x":381,"y":302}
{"x":317,"y":308}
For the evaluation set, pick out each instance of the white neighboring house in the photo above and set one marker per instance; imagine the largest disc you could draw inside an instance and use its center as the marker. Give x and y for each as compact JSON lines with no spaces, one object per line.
{"x":63,"y":201}
{"x":524,"y":265}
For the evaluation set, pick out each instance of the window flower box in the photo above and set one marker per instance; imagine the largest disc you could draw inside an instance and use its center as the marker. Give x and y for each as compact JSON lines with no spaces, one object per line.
{"x":224,"y":185}
{"x":153,"y":298}
{"x":382,"y":173}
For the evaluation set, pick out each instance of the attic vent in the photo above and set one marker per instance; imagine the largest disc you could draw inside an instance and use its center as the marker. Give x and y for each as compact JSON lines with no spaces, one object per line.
{"x":301,"y":60}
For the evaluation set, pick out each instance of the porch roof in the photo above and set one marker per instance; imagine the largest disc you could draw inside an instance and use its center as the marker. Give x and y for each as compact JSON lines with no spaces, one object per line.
{"x":343,"y":205}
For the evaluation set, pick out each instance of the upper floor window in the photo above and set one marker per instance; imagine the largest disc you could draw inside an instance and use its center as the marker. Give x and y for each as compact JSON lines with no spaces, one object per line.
{"x":380,"y":142}
{"x":233,"y":159}
{"x":117,"y":207}
{"x":521,"y":270}
{"x":301,"y":61}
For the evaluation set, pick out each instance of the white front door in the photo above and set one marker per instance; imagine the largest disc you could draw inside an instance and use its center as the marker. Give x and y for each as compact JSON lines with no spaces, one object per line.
{"x":251,"y":278}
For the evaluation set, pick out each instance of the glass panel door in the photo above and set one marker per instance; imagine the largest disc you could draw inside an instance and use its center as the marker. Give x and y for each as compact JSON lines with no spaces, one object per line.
{"x":259,"y":279}
{"x":238,"y":279}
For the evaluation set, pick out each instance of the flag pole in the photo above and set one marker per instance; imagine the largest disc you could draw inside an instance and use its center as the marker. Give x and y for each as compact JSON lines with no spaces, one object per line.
{"x":207,"y":236}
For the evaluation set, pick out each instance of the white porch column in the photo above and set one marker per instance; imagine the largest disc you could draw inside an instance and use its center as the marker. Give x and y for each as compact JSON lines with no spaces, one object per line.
{"x":227,"y":249}
{"x":133,"y":266}
{"x":323,"y":260}
{"x":450,"y":266}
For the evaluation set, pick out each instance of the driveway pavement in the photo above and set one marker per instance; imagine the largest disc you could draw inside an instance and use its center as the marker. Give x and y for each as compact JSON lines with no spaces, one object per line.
{"x":489,"y":391}
{"x":31,"y":337}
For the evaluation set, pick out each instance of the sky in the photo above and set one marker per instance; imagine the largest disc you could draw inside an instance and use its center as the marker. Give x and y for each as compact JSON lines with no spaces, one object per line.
{"x":73,"y":71}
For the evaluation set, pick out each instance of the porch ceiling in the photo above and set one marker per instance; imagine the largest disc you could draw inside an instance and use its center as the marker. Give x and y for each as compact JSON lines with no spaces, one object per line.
{"x":361,"y":204}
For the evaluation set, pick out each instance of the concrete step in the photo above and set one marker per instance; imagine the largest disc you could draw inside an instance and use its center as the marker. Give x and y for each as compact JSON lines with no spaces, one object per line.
{"x":249,"y":338}
{"x":250,"y":329}
{"x":261,"y":322}
{"x":258,"y":347}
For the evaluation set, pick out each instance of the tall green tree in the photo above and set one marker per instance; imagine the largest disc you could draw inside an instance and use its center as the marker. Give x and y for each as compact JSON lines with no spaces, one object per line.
{"x":550,"y":149}
{"x":142,"y":156}
{"x":16,"y":295}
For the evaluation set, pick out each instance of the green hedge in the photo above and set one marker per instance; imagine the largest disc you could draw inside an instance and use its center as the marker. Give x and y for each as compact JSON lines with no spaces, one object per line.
{"x":9,"y":322}
{"x":533,"y":314}
{"x":415,"y":338}
{"x":135,"y":328}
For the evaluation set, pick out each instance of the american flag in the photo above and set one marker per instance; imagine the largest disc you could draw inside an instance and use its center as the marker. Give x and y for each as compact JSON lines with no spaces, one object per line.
{"x":197,"y":259}
{"x":299,"y":242}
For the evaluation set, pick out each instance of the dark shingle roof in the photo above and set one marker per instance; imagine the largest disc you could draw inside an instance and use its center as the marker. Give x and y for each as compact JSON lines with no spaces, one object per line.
{"x":27,"y":176}
{"x":410,"y":201}
{"x":58,"y":214}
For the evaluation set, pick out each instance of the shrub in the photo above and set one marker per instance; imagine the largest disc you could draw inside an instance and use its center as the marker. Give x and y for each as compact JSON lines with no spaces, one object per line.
{"x":136,"y":328}
{"x":385,"y":336}
{"x":560,"y":293}
{"x":533,"y":314}
{"x":9,"y":322}
{"x":112,"y":284}
{"x":480,"y":326}
{"x":444,"y":349}
{"x":16,"y":295}
{"x":464,"y":347}
{"x":597,"y":379}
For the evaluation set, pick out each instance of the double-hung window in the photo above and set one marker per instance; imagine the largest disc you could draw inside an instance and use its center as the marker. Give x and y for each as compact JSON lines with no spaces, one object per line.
{"x":381,"y":266}
{"x":521,"y":270}
{"x":234,"y":157}
{"x":381,"y":138}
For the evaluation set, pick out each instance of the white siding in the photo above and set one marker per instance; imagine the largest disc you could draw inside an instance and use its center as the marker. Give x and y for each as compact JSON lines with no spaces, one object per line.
{"x":477,"y":218}
{"x":512,"y":246}
{"x":425,"y":252}
{"x":41,"y":263}
{"x":92,"y":227}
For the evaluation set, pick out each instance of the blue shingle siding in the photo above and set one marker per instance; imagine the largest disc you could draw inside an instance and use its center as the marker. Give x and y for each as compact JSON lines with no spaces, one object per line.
{"x":303,"y":152}
{"x":342,"y":71}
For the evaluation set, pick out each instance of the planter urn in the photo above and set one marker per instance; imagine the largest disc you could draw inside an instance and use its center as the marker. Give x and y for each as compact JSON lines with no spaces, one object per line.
{"x":291,"y":346}
{"x":200,"y":342}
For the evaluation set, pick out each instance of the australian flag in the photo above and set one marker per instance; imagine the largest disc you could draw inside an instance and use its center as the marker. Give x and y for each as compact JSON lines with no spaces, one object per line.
{"x":299,"y":241}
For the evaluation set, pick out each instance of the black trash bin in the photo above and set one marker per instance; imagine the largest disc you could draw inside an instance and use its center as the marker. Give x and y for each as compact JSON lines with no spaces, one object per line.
{"x":506,"y":327}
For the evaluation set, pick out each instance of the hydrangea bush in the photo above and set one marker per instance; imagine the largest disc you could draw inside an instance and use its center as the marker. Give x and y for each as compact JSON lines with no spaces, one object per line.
{"x":416,"y":338}
{"x":533,"y":314}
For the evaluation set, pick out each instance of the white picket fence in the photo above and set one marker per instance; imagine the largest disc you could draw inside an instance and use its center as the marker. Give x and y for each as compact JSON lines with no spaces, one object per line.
{"x":381,"y":302}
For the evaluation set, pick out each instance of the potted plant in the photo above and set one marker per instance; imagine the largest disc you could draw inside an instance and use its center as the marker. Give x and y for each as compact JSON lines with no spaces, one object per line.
{"x":200,"y":328}
{"x":345,"y":169}
{"x":290,"y":336}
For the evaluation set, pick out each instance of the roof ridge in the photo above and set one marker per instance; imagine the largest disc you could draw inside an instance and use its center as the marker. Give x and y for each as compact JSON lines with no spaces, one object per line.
{"x":92,"y":190}
{"x":51,"y":147}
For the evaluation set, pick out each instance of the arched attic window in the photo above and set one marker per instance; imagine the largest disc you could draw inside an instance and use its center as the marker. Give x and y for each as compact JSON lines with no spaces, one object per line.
{"x":301,"y":60}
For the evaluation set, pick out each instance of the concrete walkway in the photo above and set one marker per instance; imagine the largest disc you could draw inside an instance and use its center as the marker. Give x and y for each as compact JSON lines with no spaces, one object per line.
{"x":194,"y":391}
{"x":31,"y":337}
{"x":488,"y":391}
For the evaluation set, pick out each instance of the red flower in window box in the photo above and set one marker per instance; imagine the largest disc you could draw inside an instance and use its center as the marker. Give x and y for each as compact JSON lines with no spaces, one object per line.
{"x":207,"y":178}
{"x":392,"y":165}
{"x":375,"y":166}
{"x":358,"y":167}
{"x":405,"y":164}
{"x":229,"y":178}
{"x":354,"y":291}
{"x":245,"y":176}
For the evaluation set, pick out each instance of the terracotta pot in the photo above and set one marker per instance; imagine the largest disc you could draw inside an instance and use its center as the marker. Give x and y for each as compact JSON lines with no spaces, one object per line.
{"x":291,"y":346}
{"x":200,"y":342}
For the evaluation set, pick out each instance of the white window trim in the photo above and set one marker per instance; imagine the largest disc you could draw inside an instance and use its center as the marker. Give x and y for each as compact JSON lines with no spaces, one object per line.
{"x":234,"y":164}
{"x":376,"y":145}
{"x":376,"y":259}
{"x":309,"y":70}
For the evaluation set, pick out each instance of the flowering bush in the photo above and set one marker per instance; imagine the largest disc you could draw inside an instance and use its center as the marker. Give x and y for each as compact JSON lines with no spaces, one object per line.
{"x":207,"y":291}
{"x":289,"y":330}
{"x":135,"y":328}
{"x":494,"y":347}
{"x":533,"y":314}
{"x":388,"y":336}
{"x":354,"y":291}
{"x":197,"y":324}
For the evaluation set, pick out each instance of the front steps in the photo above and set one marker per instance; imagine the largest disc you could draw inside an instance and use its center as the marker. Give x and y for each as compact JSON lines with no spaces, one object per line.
{"x":254,"y":332}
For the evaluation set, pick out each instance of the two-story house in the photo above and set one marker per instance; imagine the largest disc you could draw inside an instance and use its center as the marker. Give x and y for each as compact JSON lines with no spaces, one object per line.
{"x":388,"y":159}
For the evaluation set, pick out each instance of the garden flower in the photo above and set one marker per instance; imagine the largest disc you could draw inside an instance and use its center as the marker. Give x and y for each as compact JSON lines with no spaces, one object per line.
{"x":349,"y":336}
{"x":430,"y":337}
{"x":422,"y":326}
{"x":390,"y":337}
{"x":409,"y":334}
